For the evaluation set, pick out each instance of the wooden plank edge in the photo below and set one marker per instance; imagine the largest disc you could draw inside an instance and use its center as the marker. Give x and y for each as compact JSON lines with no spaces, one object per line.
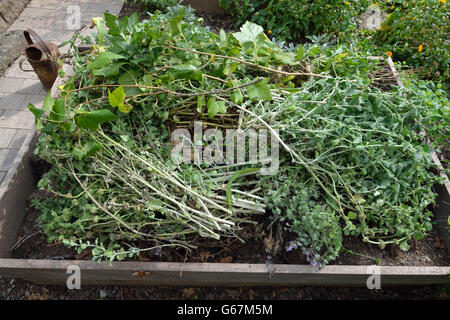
{"x":219,"y":274}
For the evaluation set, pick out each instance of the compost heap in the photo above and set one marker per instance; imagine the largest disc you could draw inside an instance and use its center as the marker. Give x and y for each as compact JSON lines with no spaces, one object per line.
{"x":351,"y":159}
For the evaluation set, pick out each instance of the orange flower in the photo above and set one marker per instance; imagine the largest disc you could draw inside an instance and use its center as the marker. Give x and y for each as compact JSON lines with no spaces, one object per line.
{"x":420,"y":48}
{"x":347,"y":3}
{"x":269,"y":31}
{"x":389,"y":53}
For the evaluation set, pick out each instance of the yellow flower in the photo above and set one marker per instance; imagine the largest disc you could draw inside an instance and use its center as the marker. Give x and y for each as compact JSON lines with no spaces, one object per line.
{"x":413,"y":18}
{"x":347,"y":3}
{"x":420,"y":48}
{"x":443,"y":1}
{"x":389,"y":53}
{"x":269,"y":31}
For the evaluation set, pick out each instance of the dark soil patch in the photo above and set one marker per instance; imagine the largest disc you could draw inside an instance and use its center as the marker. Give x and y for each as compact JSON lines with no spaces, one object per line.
{"x":261,"y":245}
{"x":214,"y":21}
{"x":22,"y":290}
{"x":219,"y":21}
{"x":129,"y":8}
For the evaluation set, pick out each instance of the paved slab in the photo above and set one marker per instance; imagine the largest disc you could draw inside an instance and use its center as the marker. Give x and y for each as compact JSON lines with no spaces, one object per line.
{"x":49,"y":18}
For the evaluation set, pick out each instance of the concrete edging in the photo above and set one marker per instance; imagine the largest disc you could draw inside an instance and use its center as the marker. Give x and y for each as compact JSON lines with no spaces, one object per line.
{"x":15,"y":188}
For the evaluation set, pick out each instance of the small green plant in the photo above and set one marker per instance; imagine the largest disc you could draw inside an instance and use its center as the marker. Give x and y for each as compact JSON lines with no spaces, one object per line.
{"x":417,"y":32}
{"x":294,"y":19}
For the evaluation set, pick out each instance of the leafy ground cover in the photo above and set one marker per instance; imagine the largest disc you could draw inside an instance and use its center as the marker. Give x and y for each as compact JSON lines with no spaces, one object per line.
{"x":352,"y":160}
{"x":415,"y":32}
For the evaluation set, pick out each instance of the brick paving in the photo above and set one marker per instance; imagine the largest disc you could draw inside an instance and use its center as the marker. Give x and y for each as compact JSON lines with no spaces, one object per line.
{"x":17,"y":88}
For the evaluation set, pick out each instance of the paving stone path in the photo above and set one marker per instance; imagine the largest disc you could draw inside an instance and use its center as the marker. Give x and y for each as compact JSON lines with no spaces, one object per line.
{"x":49,"y":18}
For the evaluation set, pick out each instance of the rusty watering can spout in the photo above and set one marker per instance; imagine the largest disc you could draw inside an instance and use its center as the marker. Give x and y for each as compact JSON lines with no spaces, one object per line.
{"x":43,"y":58}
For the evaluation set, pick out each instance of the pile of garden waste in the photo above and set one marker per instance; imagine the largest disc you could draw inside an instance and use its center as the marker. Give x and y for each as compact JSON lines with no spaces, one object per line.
{"x":352,"y":159}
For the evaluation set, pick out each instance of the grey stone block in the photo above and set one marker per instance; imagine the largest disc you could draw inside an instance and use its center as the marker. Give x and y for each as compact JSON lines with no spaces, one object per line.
{"x":18,"y":139}
{"x":10,"y":85}
{"x":32,"y":86}
{"x":6,"y":136}
{"x":17,"y":119}
{"x":12,"y":101}
{"x":7,"y":157}
{"x":12,"y":45}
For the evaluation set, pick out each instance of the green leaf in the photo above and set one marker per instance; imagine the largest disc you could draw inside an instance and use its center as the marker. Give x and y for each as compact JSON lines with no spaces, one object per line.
{"x":130,"y":77}
{"x":200,"y":103}
{"x":237,"y":96}
{"x":284,"y":58}
{"x":110,"y":21}
{"x":48,"y":102}
{"x":215,"y":107}
{"x":38,"y":113}
{"x":108,"y":71}
{"x":103,"y":59}
{"x":230,"y":68}
{"x":100,"y":25}
{"x":148,"y":80}
{"x":418,"y":235}
{"x":125,"y":108}
{"x":260,"y":90}
{"x":351,"y":215}
{"x":92,"y":119}
{"x":117,"y":97}
{"x":175,"y":24}
{"x":300,"y":53}
{"x":223,"y":39}
{"x":58,"y":112}
{"x":249,"y":33}
{"x":404,"y":245}
{"x":86,"y":150}
{"x":189,"y":72}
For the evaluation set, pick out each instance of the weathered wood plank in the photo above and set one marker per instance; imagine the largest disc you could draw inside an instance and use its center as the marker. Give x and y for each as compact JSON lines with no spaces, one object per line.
{"x":214,"y":274}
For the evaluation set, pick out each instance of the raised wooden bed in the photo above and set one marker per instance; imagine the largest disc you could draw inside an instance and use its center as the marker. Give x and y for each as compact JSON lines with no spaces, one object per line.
{"x":205,"y":274}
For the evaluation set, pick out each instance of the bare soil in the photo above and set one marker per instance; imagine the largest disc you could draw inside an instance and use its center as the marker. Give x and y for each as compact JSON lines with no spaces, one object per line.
{"x":214,"y":21}
{"x":261,"y":245}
